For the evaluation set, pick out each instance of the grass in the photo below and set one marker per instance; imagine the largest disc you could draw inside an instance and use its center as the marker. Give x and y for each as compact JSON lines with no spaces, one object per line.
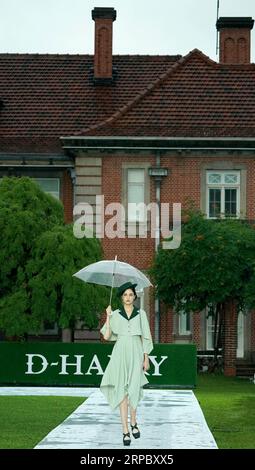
{"x":27,"y":420}
{"x":228,"y":404}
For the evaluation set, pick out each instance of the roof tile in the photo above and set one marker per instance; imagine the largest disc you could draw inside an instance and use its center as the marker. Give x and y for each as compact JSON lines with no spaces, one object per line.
{"x":196,"y":97}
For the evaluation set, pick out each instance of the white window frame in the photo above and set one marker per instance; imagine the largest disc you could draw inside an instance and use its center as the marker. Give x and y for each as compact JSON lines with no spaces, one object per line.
{"x":223,"y":186}
{"x":140,"y":216}
{"x":183,"y":331}
{"x":240,"y":336}
{"x":55,"y":194}
{"x":209,"y":331}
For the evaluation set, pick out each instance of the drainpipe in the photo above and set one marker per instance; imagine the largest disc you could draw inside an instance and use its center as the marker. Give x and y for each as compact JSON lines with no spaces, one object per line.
{"x":157,"y":242}
{"x":72,"y":173}
{"x":157,"y":172}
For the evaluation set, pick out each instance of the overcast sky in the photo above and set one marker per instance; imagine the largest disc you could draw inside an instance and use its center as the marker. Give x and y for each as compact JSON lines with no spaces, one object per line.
{"x":141,"y":27}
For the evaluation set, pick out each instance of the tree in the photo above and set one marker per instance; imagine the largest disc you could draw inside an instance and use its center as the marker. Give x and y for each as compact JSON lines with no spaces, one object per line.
{"x":56,"y":295}
{"x":25,"y":212}
{"x":214,"y":264}
{"x":38,"y":256}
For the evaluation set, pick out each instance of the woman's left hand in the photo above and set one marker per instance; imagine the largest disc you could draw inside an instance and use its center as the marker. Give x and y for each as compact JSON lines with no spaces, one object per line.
{"x":146,"y":364}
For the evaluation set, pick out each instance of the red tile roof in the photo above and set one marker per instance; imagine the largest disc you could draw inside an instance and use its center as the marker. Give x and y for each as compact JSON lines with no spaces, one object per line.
{"x":54,"y":95}
{"x":49,"y":96}
{"x":195,"y":98}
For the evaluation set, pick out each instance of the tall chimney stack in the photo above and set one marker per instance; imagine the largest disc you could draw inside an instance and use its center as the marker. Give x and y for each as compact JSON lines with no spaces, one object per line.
{"x":104,"y":18}
{"x":235,"y":39}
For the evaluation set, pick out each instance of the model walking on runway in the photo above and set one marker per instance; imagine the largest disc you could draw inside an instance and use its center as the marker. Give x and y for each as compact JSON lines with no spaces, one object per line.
{"x":124,"y":378}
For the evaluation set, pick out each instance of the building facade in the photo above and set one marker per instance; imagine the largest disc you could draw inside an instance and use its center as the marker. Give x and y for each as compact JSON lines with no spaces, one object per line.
{"x":105,"y":129}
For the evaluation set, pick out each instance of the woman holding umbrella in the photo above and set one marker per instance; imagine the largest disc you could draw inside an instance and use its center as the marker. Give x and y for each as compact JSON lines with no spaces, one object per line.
{"x":124,"y":378}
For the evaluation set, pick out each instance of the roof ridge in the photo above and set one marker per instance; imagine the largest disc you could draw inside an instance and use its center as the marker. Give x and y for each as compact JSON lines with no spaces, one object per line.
{"x":121,"y":111}
{"x":203,"y":56}
{"x":90,"y":55}
{"x":43,"y":54}
{"x":147,"y":55}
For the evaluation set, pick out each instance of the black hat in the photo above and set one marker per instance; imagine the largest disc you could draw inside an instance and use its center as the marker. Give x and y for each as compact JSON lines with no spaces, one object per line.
{"x":123,"y":287}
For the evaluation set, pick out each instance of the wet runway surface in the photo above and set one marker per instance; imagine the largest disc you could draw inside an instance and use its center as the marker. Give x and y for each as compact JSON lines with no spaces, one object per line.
{"x":167,"y":419}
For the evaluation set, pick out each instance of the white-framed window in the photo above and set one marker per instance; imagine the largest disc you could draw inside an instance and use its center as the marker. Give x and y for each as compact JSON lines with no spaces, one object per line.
{"x":135,"y":194}
{"x":184,"y":323}
{"x":210,"y":328}
{"x":209,"y":333}
{"x":50,"y":186}
{"x":223,"y":194}
{"x":240,"y":335}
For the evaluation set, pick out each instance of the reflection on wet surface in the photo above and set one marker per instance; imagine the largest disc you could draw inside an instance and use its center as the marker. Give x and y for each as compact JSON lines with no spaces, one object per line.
{"x":175,"y":415}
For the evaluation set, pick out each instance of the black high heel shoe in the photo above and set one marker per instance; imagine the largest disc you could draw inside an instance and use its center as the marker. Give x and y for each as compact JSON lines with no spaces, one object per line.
{"x":126,"y":442}
{"x":135,"y":434}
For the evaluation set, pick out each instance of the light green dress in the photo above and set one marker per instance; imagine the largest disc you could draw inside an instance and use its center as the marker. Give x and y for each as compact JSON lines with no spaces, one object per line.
{"x":124,"y":373}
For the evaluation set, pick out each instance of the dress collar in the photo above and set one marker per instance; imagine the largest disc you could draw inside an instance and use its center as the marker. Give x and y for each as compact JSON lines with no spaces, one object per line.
{"x":135,"y":312}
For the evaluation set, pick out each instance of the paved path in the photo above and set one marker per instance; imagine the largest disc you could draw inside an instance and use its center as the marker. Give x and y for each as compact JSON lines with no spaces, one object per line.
{"x":168,"y":419}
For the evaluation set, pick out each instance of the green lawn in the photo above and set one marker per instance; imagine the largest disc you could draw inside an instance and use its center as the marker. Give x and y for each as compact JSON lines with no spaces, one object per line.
{"x":26,"y":420}
{"x":228,"y":405}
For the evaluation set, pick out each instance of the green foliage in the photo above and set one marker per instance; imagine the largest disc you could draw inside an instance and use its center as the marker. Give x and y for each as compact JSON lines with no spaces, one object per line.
{"x":39,"y":255}
{"x":215,"y":262}
{"x":55,"y":294}
{"x":25,"y":212}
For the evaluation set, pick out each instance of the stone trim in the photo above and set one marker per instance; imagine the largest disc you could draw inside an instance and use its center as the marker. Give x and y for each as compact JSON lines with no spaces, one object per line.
{"x":88,"y":179}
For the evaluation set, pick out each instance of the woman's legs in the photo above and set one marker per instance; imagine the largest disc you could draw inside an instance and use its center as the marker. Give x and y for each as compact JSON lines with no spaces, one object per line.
{"x":124,"y":414}
{"x":133,"y":420}
{"x":132,"y":415}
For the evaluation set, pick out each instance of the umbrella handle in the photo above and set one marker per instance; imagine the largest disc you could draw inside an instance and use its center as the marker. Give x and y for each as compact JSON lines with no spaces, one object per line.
{"x":113,"y":279}
{"x":110,"y":303}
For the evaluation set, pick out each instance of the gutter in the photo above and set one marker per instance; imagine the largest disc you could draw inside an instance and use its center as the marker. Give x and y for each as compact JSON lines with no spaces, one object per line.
{"x":158,"y":143}
{"x":54,"y":161}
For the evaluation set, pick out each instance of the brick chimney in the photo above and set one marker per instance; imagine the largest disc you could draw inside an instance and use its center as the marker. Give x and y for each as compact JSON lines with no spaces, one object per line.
{"x":103,"y":18}
{"x":235,"y":39}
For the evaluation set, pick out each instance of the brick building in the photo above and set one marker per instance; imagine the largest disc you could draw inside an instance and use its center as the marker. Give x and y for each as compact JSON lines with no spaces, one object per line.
{"x":86,"y":126}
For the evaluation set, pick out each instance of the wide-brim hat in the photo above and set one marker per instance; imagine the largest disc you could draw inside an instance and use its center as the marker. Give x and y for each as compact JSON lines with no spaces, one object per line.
{"x":123,"y":287}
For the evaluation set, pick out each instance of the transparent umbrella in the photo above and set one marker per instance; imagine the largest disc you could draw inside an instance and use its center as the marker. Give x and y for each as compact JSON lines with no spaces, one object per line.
{"x":113,"y":273}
